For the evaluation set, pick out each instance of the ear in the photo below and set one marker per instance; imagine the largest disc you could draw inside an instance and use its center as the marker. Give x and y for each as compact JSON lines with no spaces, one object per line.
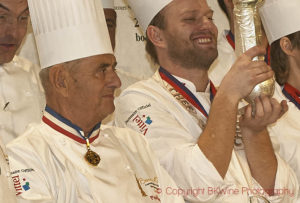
{"x":155,"y":35}
{"x":286,"y":46}
{"x":58,"y":77}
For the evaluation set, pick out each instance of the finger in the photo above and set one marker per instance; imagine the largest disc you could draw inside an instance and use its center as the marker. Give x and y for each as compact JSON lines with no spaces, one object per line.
{"x":267,"y":105}
{"x":259,"y":68}
{"x":247,"y":115}
{"x":262,"y":77}
{"x":248,"y":112}
{"x":259,"y":113}
{"x":258,"y":64}
{"x":277,"y":110}
{"x":284,"y":107}
{"x":255,"y":51}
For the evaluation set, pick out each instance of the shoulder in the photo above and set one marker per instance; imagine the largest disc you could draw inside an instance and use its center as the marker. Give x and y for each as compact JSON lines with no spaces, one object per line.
{"x":144,"y":90}
{"x":30,"y":142}
{"x":126,"y":136}
{"x":141,"y":86}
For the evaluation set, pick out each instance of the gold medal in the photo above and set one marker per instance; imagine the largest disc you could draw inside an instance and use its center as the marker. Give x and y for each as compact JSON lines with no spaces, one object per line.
{"x":91,"y":156}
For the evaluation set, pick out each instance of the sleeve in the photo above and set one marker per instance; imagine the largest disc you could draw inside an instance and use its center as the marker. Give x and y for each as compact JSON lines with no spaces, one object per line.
{"x":287,"y":146}
{"x":286,"y":185}
{"x":28,"y":177}
{"x":174,"y":145}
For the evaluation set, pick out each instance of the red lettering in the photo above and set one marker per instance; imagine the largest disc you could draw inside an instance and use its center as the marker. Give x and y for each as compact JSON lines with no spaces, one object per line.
{"x":144,"y":131}
{"x":17,"y":184}
{"x":136,"y":118}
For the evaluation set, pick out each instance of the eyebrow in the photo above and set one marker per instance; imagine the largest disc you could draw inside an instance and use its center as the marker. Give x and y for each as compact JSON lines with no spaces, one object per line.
{"x":196,"y":11}
{"x":3,"y":7}
{"x":26,"y":9}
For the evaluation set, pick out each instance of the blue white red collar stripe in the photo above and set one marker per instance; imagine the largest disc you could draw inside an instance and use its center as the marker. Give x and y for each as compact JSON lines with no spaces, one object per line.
{"x":292,"y":94}
{"x":65,"y":127}
{"x":184,"y":91}
{"x":230,"y":39}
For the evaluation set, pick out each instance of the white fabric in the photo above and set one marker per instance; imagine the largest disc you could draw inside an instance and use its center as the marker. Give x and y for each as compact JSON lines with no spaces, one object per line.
{"x":146,"y":10}
{"x":280,"y":18}
{"x":7,"y":191}
{"x":226,"y":57}
{"x":130,"y":44}
{"x":173,"y":135}
{"x":108,"y":4}
{"x":57,"y":171}
{"x":285,"y":134}
{"x":68,"y":30}
{"x":22,"y":94}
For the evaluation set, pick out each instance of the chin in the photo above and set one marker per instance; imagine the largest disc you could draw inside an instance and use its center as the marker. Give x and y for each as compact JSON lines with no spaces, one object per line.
{"x":109,"y":110}
{"x":6,"y":59}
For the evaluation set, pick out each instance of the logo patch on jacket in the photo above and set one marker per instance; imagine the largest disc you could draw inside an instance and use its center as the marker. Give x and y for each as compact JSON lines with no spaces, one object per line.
{"x":140,"y":120}
{"x":20,"y":184}
{"x":142,"y":123}
{"x":149,"y":188}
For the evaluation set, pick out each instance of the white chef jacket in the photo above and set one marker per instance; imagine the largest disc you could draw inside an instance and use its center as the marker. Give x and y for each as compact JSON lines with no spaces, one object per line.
{"x":7,"y":191}
{"x":21,"y":97}
{"x":172,"y":132}
{"x":51,"y":163}
{"x":224,"y":61}
{"x":285,"y":133}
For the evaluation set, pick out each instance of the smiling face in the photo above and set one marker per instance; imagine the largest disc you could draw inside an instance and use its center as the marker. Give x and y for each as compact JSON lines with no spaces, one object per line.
{"x":190,"y":33}
{"x":91,"y":87}
{"x":14,"y":16}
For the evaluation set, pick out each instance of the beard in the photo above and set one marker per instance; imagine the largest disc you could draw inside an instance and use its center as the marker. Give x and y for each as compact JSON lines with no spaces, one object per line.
{"x":190,"y":57}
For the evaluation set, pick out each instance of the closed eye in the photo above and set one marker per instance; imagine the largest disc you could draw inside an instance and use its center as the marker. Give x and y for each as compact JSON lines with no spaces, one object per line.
{"x":189,"y":19}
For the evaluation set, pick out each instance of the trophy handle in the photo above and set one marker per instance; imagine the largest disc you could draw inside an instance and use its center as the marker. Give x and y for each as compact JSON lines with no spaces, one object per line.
{"x":249,"y":33}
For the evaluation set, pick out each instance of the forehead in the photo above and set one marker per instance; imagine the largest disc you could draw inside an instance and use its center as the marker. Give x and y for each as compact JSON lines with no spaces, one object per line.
{"x":14,"y":6}
{"x":183,"y":6}
{"x":106,"y":59}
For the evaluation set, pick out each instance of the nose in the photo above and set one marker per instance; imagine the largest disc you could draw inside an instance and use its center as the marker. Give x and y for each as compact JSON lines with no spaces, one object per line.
{"x":11,"y":28}
{"x":114,"y":80}
{"x":206,"y":22}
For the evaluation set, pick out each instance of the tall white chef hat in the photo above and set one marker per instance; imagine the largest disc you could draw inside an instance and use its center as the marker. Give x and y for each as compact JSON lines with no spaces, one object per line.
{"x":280,"y":18}
{"x":108,"y":4}
{"x":66,"y":30}
{"x":146,"y":10}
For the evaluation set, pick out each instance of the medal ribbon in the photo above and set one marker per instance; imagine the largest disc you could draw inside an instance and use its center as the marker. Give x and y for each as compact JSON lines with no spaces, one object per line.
{"x":184,"y":91}
{"x":81,"y":139}
{"x":292,"y":94}
{"x":230,"y":39}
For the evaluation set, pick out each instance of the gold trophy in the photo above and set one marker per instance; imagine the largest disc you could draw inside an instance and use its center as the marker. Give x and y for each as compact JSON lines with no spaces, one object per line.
{"x":249,"y":33}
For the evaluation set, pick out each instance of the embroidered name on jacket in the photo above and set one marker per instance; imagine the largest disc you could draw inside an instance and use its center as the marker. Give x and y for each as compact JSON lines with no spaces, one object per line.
{"x":150,"y":188}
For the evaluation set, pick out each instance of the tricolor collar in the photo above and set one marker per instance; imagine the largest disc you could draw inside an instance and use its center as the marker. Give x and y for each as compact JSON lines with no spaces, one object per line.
{"x":292,"y":94}
{"x":65,"y":127}
{"x":230,"y":39}
{"x":180,"y":87}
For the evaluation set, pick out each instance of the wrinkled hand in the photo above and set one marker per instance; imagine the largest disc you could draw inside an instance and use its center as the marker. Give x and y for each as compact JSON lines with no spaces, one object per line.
{"x":268,"y":111}
{"x":245,"y":74}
